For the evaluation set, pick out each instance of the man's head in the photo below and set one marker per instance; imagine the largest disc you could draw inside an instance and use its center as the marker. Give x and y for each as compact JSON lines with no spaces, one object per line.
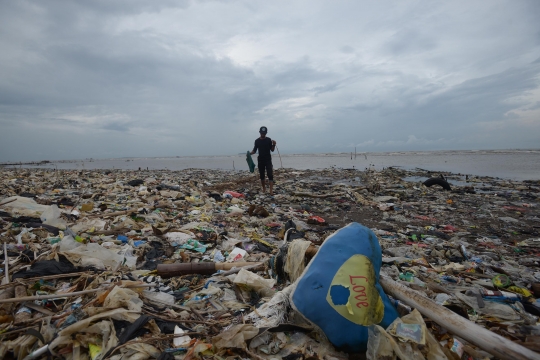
{"x":263,"y":130}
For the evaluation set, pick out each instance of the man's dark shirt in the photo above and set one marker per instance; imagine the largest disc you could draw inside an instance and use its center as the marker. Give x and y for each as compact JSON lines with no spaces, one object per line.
{"x":264,"y":146}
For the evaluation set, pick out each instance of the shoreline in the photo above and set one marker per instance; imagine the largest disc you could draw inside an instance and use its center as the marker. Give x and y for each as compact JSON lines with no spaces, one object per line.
{"x":515,"y":165}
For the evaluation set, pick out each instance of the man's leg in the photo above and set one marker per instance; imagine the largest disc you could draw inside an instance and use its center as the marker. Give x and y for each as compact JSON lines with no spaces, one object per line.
{"x":270,"y":171}
{"x":261,"y":166}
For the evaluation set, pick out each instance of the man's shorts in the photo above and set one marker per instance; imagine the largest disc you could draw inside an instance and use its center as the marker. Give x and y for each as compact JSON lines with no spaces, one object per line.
{"x":265,"y":165}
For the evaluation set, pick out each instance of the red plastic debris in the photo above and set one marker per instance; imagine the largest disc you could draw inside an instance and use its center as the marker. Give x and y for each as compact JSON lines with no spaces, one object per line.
{"x":449,"y":228}
{"x":316,"y":220}
{"x":234,"y":194}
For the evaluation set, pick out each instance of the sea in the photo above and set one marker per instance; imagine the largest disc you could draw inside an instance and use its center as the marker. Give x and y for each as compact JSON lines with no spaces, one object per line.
{"x":506,"y":164}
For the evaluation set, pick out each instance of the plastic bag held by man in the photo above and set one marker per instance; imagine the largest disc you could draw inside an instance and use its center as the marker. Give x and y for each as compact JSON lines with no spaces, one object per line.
{"x":339,"y":291}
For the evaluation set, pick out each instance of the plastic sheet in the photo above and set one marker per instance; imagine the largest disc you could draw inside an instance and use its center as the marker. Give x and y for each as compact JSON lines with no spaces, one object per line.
{"x":51,"y":216}
{"x":123,"y":298}
{"x":94,"y":255}
{"x":256,"y":282}
{"x":235,"y":337}
{"x":23,"y":206}
{"x":295,"y":262}
{"x":46,"y":267}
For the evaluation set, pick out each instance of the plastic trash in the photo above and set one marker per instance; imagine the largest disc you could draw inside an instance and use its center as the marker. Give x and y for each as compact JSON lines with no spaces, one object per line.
{"x":95,"y":255}
{"x":180,"y":341}
{"x":51,"y":216}
{"x":46,"y":267}
{"x":250,"y":162}
{"x":193,"y":244}
{"x":23,"y":206}
{"x":68,"y":243}
{"x":234,"y":210}
{"x":125,"y":298}
{"x":178,"y":238}
{"x":87,"y":207}
{"x":237,"y":254}
{"x":233,"y":194}
{"x":256,"y":282}
{"x":235,"y":337}
{"x":343,"y":278}
{"x":159,"y":297}
{"x":218,"y":257}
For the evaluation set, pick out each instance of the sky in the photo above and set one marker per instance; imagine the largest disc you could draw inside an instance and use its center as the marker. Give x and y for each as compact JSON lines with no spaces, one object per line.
{"x":105,"y":78}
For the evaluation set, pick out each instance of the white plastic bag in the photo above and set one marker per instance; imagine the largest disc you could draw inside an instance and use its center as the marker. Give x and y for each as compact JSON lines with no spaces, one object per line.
{"x":178,"y":238}
{"x":126,"y":298}
{"x":68,"y":243}
{"x":253,"y":281}
{"x":129,"y":259}
{"x":86,"y":225}
{"x":23,"y":206}
{"x":161,"y":297}
{"x":96,"y":256}
{"x":51,"y":216}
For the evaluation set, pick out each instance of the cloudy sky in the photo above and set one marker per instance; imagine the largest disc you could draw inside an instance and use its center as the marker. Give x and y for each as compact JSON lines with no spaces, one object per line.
{"x":107,"y":78}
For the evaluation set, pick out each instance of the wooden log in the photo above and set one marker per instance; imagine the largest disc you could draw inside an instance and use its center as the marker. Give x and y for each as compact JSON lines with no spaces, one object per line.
{"x":117,"y":213}
{"x":249,"y":267}
{"x":204,"y":268}
{"x":475,"y":334}
{"x":229,"y":266}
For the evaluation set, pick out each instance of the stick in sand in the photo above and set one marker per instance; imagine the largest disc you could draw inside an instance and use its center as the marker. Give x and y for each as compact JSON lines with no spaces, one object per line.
{"x":6,"y":264}
{"x":279,"y":157}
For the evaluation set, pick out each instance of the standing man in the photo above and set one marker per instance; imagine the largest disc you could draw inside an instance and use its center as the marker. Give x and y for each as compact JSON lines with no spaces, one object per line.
{"x":264,"y":160}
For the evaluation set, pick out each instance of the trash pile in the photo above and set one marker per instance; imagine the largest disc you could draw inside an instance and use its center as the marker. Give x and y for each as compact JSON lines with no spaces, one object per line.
{"x":199,"y":264}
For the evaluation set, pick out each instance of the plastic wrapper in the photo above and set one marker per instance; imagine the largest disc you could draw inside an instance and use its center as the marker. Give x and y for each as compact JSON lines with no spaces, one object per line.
{"x":249,"y":280}
{"x":237,"y":254}
{"x":193,"y":244}
{"x":123,"y":298}
{"x":235,"y":337}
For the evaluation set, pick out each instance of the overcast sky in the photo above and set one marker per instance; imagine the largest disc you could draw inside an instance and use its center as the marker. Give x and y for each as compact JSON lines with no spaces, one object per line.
{"x":107,"y":78}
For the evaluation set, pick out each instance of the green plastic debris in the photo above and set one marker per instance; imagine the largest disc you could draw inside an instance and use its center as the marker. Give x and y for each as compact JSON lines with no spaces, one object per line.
{"x":193,"y":244}
{"x":250,"y":162}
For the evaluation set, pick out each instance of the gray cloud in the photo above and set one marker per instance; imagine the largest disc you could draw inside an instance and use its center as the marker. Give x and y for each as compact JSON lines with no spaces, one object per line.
{"x":132,"y":78}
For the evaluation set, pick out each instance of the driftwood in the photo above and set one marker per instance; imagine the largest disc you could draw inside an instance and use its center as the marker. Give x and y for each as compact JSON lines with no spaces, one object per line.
{"x":231,"y":184}
{"x":318,"y":196}
{"x":124,"y":212}
{"x":64,"y":295}
{"x":477,"y":335}
{"x":47,"y":277}
{"x":52,"y":296}
{"x":6,"y":264}
{"x":7,"y":202}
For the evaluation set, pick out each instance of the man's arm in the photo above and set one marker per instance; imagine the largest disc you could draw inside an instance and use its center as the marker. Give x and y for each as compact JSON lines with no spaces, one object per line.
{"x":254,"y":148}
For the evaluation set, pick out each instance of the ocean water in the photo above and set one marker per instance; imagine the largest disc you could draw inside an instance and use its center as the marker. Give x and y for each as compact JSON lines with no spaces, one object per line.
{"x":509,"y":164}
